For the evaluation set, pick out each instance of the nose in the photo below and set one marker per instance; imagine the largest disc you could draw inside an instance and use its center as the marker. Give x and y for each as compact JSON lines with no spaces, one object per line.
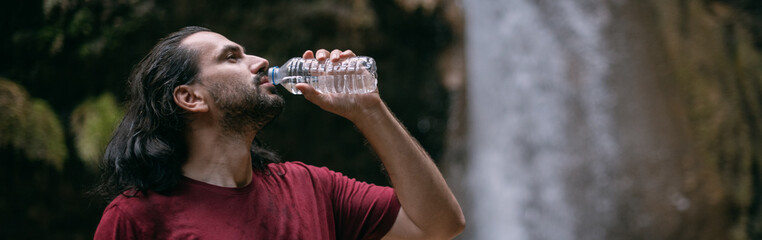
{"x":257,"y":64}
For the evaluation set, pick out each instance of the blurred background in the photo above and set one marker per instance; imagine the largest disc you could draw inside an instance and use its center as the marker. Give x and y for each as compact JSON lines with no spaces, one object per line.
{"x":576,"y":119}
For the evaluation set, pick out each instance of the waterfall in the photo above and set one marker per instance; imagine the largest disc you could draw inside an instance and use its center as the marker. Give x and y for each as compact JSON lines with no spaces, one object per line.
{"x":541,"y":142}
{"x":592,"y":120}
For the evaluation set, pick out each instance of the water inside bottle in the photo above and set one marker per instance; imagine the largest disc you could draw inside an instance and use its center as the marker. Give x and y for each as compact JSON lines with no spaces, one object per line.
{"x":357,"y":83}
{"x":289,"y":83}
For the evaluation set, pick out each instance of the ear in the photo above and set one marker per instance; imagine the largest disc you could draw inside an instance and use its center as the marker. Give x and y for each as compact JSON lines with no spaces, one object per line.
{"x":190,"y":99}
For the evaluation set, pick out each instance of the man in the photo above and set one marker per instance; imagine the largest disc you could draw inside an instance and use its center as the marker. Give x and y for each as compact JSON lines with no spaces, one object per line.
{"x":183,"y":164}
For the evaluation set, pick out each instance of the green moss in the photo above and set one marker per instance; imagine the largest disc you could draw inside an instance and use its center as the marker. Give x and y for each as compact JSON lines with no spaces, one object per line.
{"x":92,"y":123}
{"x":12,"y":101}
{"x":82,"y":23}
{"x":43,"y":134}
{"x":30,"y":125}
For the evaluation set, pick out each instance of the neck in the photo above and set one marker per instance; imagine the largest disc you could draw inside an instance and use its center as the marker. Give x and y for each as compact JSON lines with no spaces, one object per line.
{"x":219,"y":157}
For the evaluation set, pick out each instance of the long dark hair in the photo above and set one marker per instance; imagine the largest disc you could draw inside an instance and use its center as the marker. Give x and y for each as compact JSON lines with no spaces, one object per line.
{"x":148,"y":148}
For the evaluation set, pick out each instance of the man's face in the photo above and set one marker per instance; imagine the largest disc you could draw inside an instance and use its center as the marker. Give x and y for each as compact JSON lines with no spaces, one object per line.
{"x":236,"y":82}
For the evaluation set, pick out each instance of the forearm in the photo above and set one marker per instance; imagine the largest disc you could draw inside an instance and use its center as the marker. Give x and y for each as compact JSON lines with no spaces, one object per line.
{"x":419,"y":185}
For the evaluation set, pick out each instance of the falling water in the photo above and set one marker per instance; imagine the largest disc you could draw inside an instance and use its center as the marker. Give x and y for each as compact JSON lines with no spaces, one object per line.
{"x":573,"y":126}
{"x":539,"y":114}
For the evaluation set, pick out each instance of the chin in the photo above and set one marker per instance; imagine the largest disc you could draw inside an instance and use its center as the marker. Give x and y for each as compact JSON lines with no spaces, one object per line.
{"x":270,"y":89}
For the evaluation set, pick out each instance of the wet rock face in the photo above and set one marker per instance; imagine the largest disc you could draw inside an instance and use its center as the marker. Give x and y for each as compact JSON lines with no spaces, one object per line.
{"x":714,"y":56}
{"x":747,"y":13}
{"x":625,"y":120}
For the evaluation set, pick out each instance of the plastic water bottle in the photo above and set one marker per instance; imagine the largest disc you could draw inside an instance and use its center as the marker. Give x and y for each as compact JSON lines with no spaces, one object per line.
{"x":355,"y":75}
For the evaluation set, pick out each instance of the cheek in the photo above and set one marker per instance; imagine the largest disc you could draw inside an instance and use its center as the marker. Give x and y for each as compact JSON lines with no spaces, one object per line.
{"x":227,"y":76}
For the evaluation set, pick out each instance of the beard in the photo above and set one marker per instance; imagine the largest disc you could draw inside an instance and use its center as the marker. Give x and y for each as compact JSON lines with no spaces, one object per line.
{"x":244,"y":111}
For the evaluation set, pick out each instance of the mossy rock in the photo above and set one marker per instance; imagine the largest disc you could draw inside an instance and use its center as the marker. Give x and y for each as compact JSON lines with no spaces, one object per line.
{"x":92,"y":124}
{"x":30,"y":125}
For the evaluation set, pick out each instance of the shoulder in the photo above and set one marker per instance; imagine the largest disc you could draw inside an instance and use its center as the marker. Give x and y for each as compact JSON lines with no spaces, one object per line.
{"x":298,"y":168}
{"x":129,"y":203}
{"x":292,"y":165}
{"x":309,"y":175}
{"x":131,"y":207}
{"x":124,"y":216}
{"x":128,"y":206}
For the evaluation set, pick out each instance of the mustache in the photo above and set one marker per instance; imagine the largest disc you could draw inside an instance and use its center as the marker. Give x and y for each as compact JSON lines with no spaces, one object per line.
{"x":258,"y":77}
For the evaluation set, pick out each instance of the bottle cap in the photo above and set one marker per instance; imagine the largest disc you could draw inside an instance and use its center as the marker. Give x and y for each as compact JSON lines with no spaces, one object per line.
{"x":271,"y":73}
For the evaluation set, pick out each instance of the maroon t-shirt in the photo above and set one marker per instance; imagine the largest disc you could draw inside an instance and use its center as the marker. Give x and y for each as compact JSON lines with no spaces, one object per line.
{"x":290,"y":201}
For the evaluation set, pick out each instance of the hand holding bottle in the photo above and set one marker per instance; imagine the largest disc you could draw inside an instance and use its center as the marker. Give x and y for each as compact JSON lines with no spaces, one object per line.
{"x":350,"y":75}
{"x":351,"y":106}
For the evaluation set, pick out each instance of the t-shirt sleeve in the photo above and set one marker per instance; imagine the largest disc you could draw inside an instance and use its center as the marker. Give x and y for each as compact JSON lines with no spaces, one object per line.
{"x":115,"y":224}
{"x":362,"y":210}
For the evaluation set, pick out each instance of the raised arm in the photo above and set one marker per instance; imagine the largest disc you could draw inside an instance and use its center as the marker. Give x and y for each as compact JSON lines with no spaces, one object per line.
{"x":429,"y":209}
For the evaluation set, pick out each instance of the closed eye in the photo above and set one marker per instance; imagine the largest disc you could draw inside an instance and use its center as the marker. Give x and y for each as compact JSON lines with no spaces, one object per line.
{"x":232,"y":57}
{"x":231,"y":53}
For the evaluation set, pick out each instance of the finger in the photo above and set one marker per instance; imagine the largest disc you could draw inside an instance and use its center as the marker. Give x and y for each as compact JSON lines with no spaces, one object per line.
{"x":308,"y":54}
{"x":335,"y":55}
{"x":308,"y":91}
{"x":347,"y":53}
{"x":321,"y":55}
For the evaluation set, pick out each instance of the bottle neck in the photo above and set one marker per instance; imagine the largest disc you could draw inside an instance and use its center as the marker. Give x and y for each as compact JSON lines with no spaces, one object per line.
{"x":272,"y":74}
